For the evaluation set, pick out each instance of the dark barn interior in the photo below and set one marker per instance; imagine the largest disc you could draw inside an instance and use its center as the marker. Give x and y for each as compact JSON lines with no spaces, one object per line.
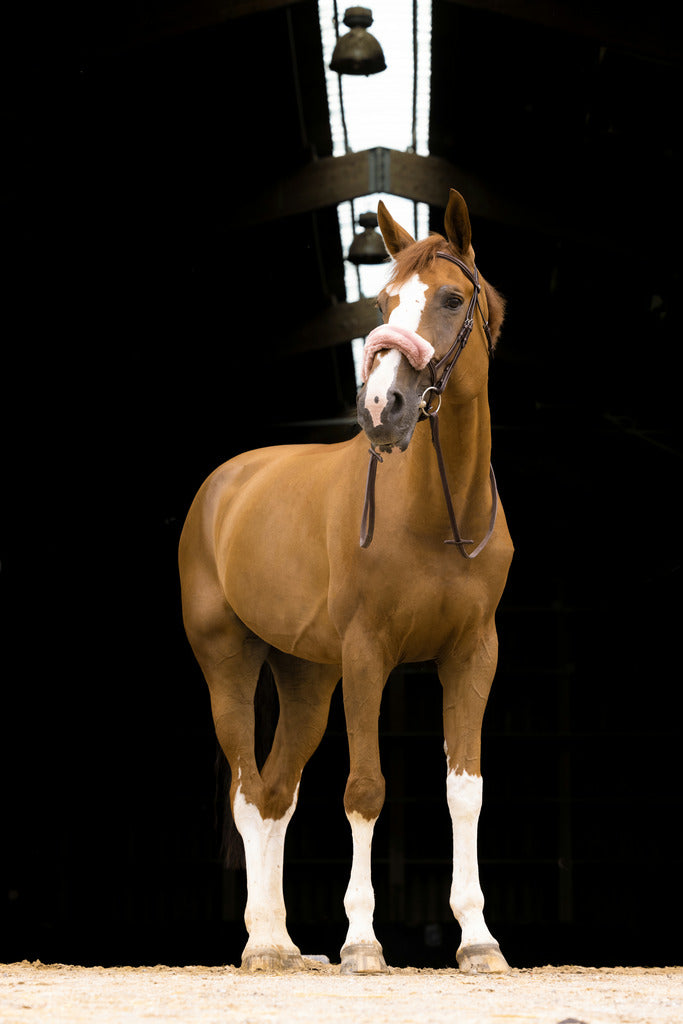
{"x":174,"y":289}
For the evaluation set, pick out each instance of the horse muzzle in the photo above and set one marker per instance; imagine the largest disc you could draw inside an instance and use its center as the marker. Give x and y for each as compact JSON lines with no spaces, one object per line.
{"x":393,"y":425}
{"x":389,"y":402}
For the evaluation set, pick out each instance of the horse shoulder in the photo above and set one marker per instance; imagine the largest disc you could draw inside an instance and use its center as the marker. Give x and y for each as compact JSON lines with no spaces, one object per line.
{"x":266,"y":525}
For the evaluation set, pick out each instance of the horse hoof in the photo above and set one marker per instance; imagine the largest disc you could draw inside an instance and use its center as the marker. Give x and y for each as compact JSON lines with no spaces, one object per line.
{"x":363,"y":958}
{"x":482,"y":959}
{"x":272,"y":961}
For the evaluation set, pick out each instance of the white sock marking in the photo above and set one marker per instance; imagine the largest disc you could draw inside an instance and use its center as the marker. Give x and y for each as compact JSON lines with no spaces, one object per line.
{"x":464,"y":794}
{"x":359,"y":901}
{"x":264,"y":843}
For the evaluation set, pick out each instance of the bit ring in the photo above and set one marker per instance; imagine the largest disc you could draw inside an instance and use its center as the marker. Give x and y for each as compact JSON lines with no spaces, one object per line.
{"x":424,"y":403}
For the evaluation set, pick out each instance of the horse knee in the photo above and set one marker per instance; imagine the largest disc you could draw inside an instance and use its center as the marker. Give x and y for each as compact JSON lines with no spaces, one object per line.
{"x":365,"y":795}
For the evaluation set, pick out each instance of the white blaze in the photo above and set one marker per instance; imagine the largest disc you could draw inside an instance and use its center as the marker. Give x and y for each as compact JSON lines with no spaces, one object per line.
{"x":264,"y":844}
{"x":412,"y":298}
{"x":464,"y":794}
{"x":359,"y":901}
{"x":380,"y":383}
{"x":408,"y":313}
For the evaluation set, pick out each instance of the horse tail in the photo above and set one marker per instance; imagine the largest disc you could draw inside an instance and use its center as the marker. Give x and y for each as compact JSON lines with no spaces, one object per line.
{"x":266,"y":710}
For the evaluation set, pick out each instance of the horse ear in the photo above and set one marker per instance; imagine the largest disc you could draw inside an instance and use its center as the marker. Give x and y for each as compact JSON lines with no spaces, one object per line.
{"x":395,"y":237}
{"x":457,"y":224}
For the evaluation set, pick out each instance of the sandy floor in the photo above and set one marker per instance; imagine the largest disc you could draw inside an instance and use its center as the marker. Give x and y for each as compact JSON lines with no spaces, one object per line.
{"x":40,"y":994}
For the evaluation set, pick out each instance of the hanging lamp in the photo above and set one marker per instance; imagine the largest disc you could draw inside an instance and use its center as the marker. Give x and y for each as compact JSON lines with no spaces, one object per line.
{"x":357,"y":52}
{"x":367,"y":247}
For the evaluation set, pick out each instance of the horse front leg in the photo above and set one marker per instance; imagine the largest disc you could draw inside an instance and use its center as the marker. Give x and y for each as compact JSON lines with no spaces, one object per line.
{"x":363,"y":682}
{"x":466,"y":685}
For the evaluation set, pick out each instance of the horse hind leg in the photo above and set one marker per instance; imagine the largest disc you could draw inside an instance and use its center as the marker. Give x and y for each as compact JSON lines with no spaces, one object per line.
{"x":304,"y":692}
{"x":231,"y":664}
{"x":269,"y":947}
{"x":231,"y":658}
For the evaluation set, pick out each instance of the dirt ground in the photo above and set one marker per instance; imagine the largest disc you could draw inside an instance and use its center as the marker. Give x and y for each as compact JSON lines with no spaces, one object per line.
{"x":34,"y":993}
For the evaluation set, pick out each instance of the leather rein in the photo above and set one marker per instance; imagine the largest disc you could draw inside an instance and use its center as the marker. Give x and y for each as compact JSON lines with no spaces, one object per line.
{"x":443,"y":367}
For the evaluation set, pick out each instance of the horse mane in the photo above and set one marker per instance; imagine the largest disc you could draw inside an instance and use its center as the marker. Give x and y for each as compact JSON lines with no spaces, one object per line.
{"x":416,"y":258}
{"x":496,"y":304}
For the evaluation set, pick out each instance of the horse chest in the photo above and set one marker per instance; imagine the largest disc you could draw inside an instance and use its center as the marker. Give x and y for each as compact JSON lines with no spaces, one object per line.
{"x":418,"y":604}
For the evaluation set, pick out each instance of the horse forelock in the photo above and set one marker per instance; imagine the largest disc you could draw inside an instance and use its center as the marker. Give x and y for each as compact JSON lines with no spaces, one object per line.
{"x":416,"y":258}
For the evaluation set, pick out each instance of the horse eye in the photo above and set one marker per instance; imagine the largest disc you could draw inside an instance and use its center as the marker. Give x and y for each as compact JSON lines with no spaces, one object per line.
{"x":453,"y":302}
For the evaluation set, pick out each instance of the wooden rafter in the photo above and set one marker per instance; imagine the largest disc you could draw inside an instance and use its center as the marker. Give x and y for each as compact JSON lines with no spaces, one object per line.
{"x":333,"y":180}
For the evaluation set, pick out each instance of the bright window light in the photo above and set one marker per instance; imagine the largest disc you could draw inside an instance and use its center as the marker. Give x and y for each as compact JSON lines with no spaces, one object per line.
{"x":378,"y":111}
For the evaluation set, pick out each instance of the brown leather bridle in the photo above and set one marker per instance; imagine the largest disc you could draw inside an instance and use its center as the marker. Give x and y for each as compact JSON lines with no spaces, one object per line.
{"x":440,"y":371}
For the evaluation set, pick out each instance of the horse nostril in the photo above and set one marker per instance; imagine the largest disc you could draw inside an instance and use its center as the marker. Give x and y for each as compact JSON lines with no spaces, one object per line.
{"x":396,"y":403}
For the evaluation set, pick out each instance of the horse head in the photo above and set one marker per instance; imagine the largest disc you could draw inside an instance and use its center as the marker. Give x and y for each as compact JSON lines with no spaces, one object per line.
{"x":433,"y":301}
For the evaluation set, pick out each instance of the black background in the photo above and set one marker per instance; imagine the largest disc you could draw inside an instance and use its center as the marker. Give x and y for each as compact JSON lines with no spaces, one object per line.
{"x":146,"y":341}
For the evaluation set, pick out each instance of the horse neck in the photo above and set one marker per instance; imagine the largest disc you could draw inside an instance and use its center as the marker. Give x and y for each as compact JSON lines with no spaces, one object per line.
{"x":465,"y":436}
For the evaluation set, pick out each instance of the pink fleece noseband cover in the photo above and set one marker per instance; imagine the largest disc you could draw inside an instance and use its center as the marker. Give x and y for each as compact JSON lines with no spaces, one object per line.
{"x":417,"y":351}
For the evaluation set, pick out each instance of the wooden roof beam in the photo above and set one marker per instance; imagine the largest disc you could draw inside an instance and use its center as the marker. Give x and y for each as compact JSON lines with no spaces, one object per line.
{"x":425,"y":179}
{"x":339,"y":323}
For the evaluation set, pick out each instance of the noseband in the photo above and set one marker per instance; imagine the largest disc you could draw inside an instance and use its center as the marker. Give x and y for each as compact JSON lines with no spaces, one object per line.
{"x":440,"y":372}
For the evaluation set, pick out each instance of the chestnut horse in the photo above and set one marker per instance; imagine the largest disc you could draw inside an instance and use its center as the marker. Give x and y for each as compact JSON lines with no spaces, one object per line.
{"x":272,"y":571}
